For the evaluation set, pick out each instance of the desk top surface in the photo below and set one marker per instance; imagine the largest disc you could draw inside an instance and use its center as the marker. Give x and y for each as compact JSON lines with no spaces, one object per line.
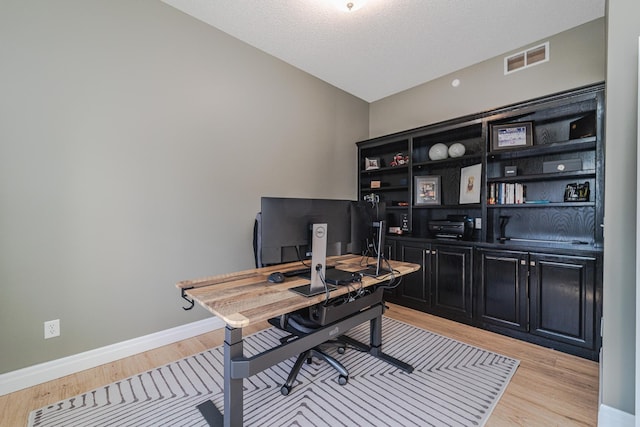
{"x":244,"y":298}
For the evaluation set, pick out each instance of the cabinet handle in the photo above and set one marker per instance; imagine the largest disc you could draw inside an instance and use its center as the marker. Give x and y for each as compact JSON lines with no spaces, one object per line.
{"x":523,"y":262}
{"x":433,"y":252}
{"x":532,"y":263}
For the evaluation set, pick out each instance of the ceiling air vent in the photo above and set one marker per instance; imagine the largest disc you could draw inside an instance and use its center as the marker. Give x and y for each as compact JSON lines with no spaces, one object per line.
{"x":527,"y":58}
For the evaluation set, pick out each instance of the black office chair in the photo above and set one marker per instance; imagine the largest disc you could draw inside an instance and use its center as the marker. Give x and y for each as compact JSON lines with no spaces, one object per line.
{"x":297,"y":324}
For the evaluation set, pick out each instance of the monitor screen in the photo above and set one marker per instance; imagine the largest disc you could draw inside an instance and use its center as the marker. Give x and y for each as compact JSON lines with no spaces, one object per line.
{"x":285,"y":227}
{"x":364,"y":233}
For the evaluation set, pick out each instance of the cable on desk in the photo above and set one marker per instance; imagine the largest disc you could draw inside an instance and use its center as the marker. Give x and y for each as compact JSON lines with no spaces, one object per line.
{"x":300,"y":258}
{"x":326,"y":287}
{"x":394,"y":281}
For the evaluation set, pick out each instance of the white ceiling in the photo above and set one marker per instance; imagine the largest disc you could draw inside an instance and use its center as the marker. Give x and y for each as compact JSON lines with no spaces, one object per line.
{"x":388,"y":46}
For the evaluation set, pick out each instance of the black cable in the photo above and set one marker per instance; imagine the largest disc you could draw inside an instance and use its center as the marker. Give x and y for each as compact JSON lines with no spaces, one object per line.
{"x":300,"y":258}
{"x":326,"y":287}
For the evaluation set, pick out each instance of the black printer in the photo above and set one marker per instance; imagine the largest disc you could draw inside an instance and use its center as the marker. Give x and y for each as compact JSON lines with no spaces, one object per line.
{"x":454,"y":227}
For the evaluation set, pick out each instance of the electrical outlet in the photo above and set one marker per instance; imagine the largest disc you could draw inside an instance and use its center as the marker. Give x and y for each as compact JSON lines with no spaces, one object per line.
{"x":52,"y":329}
{"x":478,"y":224}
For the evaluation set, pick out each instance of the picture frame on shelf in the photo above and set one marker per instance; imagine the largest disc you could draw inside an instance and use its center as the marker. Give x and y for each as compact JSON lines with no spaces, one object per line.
{"x":371,"y":163}
{"x":427,"y":190}
{"x":470,"y":184}
{"x":511,"y":135}
{"x":577,"y":192}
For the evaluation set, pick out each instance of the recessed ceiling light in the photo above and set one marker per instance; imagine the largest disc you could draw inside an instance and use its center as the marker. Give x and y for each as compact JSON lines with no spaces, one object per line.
{"x":455,"y":82}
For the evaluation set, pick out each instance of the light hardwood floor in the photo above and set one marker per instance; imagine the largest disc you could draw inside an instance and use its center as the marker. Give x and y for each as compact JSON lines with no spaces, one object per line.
{"x":549,"y":388}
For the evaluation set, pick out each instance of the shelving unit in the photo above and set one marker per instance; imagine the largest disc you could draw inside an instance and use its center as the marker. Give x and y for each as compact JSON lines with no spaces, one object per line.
{"x":394,"y":188}
{"x":544,"y":246}
{"x":555,"y":220}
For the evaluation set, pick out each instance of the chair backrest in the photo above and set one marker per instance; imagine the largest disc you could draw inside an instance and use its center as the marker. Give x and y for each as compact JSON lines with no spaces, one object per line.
{"x":257,"y":243}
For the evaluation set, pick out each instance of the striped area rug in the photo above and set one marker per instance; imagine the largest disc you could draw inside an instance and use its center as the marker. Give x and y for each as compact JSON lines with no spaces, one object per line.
{"x":453,"y":384}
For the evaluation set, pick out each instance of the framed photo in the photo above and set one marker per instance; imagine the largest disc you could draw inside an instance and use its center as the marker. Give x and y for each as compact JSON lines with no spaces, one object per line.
{"x":470,"y":183}
{"x":427,"y":190}
{"x":514,"y":135}
{"x":371,"y":163}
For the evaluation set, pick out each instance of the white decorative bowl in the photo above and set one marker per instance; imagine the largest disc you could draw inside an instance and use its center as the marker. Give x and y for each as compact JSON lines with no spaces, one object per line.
{"x":438,"y":152}
{"x":457,"y":150}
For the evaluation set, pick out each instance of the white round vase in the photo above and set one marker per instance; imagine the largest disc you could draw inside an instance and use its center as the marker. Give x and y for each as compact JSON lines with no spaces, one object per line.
{"x":456,"y":150}
{"x":438,"y":152}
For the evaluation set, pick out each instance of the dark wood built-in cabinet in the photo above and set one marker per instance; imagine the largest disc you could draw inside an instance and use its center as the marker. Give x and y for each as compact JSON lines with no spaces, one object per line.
{"x":562,"y":298}
{"x":548,"y":299}
{"x":532,"y":266}
{"x":502,"y":286}
{"x":451,"y":280}
{"x":443,"y":285}
{"x":414,"y":290}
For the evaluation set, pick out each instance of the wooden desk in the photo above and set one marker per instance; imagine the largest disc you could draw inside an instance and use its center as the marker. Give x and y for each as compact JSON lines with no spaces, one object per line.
{"x":244,"y":298}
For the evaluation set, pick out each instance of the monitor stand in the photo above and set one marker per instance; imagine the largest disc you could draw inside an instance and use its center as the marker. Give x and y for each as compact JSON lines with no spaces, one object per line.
{"x":318,"y":263}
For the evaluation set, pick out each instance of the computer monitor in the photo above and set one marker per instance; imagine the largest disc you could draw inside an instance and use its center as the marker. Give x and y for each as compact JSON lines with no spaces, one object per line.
{"x":363,"y":234}
{"x":368,"y":230}
{"x":300,"y":229}
{"x":285,"y":227}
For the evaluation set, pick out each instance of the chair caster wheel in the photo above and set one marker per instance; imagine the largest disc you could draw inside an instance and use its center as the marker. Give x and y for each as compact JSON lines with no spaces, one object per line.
{"x":285,"y":390}
{"x":342,"y":380}
{"x":342,"y":350}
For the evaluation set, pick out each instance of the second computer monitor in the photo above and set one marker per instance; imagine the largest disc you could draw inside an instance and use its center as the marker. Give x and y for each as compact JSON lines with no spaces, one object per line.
{"x":368,"y":230}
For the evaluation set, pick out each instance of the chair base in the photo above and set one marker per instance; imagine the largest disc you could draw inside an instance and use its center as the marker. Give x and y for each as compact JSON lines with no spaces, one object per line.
{"x":343,"y":377}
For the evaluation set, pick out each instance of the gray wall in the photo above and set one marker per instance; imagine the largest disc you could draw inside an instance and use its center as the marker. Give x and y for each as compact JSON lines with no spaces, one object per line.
{"x":135,"y":143}
{"x":577,"y":58}
{"x":618,"y":380}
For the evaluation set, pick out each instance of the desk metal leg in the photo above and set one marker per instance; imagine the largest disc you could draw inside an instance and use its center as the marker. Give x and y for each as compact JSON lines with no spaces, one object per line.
{"x":233,"y":398}
{"x":375,"y":329}
{"x":237,"y":367}
{"x":233,"y":393}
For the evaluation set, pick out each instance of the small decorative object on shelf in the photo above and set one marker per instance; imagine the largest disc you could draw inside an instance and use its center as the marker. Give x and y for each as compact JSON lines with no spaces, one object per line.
{"x":583,"y":127}
{"x":577,"y":192}
{"x":427,"y":190}
{"x":376,"y":184}
{"x":470,"y":184}
{"x":510,"y":171}
{"x":405,"y":222}
{"x":514,"y":135}
{"x":457,"y":150}
{"x":371,"y":163}
{"x":562,"y":166}
{"x":399,"y":159}
{"x":438,"y":152}
{"x":395,"y":230}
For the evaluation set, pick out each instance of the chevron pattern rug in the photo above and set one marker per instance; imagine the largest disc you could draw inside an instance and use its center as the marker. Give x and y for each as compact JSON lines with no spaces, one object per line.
{"x":453,"y":384}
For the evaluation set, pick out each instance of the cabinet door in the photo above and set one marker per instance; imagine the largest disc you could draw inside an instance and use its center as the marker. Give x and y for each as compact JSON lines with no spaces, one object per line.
{"x":562,"y":295}
{"x":451,"y":280}
{"x":414,"y":291}
{"x":501,"y":284}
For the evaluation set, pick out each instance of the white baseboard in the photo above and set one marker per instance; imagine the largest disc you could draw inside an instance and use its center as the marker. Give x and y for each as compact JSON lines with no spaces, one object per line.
{"x":43,"y":372}
{"x":612,"y":417}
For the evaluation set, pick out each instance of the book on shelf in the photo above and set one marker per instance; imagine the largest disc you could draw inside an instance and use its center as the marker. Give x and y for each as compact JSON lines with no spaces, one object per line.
{"x":506,"y":193}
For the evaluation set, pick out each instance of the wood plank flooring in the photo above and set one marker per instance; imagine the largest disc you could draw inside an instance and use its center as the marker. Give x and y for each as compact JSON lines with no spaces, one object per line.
{"x":549,"y":388}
